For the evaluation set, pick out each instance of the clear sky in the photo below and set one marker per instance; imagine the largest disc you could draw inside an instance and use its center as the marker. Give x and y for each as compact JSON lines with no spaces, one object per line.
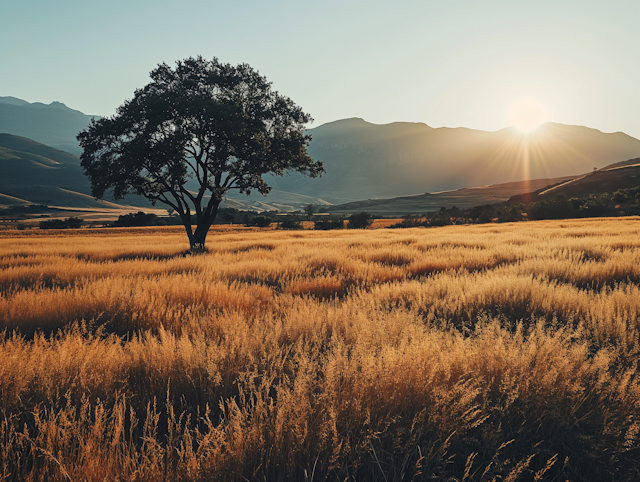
{"x":446,"y":63}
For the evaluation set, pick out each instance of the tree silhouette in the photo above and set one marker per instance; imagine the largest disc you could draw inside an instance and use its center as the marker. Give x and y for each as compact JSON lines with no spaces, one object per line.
{"x":309,"y":210}
{"x":192,"y":134}
{"x":361,"y":220}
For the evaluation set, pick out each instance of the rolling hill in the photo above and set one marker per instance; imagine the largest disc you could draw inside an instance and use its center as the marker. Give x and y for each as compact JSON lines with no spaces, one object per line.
{"x":429,"y":202}
{"x":621,"y":175}
{"x":54,"y":124}
{"x":368,"y":161}
{"x":34,"y":173}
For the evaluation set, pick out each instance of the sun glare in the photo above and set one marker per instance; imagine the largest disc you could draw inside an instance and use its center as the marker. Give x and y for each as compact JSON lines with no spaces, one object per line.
{"x":527,"y":114}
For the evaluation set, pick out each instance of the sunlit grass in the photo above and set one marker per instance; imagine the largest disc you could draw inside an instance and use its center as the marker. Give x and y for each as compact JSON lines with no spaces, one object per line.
{"x":468,"y":352}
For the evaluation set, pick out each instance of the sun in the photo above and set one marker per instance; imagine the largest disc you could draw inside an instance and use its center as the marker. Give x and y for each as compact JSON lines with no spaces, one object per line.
{"x":527,"y":114}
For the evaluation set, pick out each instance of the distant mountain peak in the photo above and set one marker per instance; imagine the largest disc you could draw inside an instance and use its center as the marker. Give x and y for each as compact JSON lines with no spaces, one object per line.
{"x":355,"y":122}
{"x":349,"y":122}
{"x":54,"y":105}
{"x":53,"y":124}
{"x":12,"y":101}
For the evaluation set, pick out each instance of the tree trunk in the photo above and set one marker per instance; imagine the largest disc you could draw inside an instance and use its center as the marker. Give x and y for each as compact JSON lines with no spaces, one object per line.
{"x":199,"y":237}
{"x":204,"y":221}
{"x":186,"y":222}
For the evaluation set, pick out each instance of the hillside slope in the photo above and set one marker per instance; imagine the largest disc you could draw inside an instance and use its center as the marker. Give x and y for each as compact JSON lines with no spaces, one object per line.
{"x":622,"y":175}
{"x":34,"y":173}
{"x":461,"y":198}
{"x":369,"y":161}
{"x":365,"y":160}
{"x":54,"y":124}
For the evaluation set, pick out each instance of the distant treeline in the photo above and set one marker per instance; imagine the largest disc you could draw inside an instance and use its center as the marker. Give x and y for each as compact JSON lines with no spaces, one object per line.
{"x":623,"y":202}
{"x":252,"y":219}
{"x":225,"y":216}
{"x":69,"y":223}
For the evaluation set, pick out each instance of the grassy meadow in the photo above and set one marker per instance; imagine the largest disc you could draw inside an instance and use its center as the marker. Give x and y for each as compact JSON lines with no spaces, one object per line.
{"x":487,"y":352}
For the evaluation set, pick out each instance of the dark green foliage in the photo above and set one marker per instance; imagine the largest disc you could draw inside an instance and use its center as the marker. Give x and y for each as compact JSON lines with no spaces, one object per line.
{"x":137,"y":219}
{"x":440,"y":218}
{"x":509,"y":214}
{"x":618,"y":203}
{"x":327,"y":224}
{"x":622,"y":202}
{"x":52,"y":224}
{"x":74,"y":223}
{"x":309,"y":210}
{"x":411,"y":221}
{"x":597,"y":205}
{"x":219,"y":124}
{"x":482,"y":214}
{"x":443,"y":217}
{"x":262,"y":221}
{"x":228,"y":215}
{"x":290,"y":222}
{"x":620,"y":197}
{"x":558,"y":208}
{"x":360,"y":220}
{"x":252,"y":219}
{"x":69,"y":223}
{"x":148,"y":219}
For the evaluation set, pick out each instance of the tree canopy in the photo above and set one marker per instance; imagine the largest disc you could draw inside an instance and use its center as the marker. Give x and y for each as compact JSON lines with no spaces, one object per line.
{"x":192,"y":134}
{"x":310,"y":210}
{"x":361,"y":220}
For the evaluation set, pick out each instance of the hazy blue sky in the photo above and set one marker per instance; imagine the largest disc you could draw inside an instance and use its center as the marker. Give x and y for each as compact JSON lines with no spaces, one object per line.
{"x":446,"y":63}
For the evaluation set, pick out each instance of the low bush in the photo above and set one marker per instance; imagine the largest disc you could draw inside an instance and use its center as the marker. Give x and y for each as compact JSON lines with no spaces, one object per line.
{"x":290,"y":222}
{"x":69,"y":223}
{"x":360,"y":220}
{"x":327,"y":224}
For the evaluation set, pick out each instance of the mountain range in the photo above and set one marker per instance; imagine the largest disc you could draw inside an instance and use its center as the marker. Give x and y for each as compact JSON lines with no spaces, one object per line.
{"x":462,"y":198}
{"x":369,"y":161}
{"x":363,"y":161}
{"x":54,"y":124}
{"x":34,"y":173}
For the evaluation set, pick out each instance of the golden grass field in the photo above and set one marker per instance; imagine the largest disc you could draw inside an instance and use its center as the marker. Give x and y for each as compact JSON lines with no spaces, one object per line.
{"x":486,"y":352}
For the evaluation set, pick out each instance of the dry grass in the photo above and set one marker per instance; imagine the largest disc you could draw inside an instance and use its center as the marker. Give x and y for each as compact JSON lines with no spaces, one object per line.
{"x":488,"y":352}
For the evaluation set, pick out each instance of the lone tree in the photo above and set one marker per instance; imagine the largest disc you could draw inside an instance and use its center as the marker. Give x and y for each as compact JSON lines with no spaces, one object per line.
{"x":194,"y":133}
{"x":310,"y":210}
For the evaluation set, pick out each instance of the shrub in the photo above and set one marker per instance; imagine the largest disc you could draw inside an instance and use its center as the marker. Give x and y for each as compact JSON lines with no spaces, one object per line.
{"x":327,"y":224}
{"x":69,"y":223}
{"x":360,"y":220}
{"x":74,"y":223}
{"x":483,"y":214}
{"x":290,"y":222}
{"x":440,"y":218}
{"x":227,"y":215}
{"x":136,"y":219}
{"x":620,"y":197}
{"x":262,"y":221}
